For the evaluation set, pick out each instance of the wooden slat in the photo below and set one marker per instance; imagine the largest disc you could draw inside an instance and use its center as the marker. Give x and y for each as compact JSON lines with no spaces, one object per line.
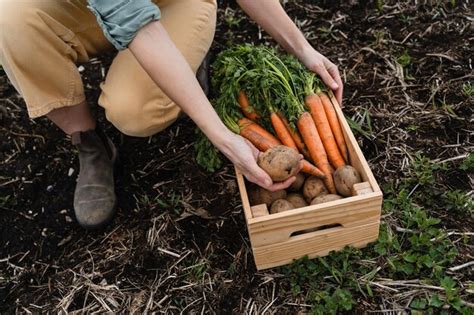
{"x":259,"y":211}
{"x":361,"y":189}
{"x":314,"y":244}
{"x":277,"y":228}
{"x":243,"y":195}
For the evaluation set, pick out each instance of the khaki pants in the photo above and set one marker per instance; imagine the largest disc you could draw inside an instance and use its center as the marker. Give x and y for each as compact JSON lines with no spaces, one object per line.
{"x":42,"y":40}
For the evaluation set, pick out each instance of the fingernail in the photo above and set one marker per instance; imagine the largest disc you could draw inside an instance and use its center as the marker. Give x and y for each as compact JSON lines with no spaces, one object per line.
{"x":268,"y":182}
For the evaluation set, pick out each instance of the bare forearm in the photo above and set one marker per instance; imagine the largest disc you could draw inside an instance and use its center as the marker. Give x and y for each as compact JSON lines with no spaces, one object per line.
{"x":166,"y":65}
{"x":271,"y":16}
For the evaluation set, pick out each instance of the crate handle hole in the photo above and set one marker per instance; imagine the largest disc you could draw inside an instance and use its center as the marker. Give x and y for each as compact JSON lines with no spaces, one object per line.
{"x":318,"y":228}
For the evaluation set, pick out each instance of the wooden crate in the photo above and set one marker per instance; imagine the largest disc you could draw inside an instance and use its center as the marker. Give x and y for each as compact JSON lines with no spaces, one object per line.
{"x":277,"y":239}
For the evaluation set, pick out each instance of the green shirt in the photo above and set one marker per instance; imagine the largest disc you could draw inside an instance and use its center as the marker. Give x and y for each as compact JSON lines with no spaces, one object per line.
{"x":120,"y":20}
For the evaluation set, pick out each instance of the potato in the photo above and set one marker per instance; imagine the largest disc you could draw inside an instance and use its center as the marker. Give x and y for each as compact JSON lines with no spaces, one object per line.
{"x":280,"y":162}
{"x":297,"y":200}
{"x":344,"y":178}
{"x":325,"y":198}
{"x":281,"y":205}
{"x":313,"y":187}
{"x":298,"y":183}
{"x":259,"y":195}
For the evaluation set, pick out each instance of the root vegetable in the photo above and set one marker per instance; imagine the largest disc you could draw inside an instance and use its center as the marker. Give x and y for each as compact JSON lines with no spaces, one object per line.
{"x":280,"y":162}
{"x":298,"y":183}
{"x":315,"y":147}
{"x":344,"y":178}
{"x":259,"y":195}
{"x":297,"y":200}
{"x":313,"y":187}
{"x":263,"y":140}
{"x":325,"y":198}
{"x":335,"y":125}
{"x":281,"y":205}
{"x":313,"y":102}
{"x":247,"y":109}
{"x":295,"y":135}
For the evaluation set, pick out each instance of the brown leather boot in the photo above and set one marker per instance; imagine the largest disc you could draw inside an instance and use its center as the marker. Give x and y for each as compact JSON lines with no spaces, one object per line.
{"x":94,"y":197}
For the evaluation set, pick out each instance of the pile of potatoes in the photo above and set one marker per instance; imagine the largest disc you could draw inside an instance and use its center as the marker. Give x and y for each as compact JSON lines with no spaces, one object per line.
{"x":281,"y":164}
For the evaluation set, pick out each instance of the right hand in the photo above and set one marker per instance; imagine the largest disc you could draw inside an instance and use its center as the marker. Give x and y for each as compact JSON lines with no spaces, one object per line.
{"x":244,"y":155}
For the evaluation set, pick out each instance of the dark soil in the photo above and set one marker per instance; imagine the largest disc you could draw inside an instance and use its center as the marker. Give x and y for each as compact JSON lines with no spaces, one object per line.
{"x":179,"y":239}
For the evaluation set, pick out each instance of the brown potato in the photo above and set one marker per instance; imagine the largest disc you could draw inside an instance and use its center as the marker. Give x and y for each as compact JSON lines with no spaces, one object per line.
{"x":280,"y":162}
{"x":297,"y":200}
{"x":259,"y":195}
{"x":325,"y":198}
{"x":298,"y":183}
{"x":280,"y":205}
{"x":344,"y":178}
{"x":313,"y":187}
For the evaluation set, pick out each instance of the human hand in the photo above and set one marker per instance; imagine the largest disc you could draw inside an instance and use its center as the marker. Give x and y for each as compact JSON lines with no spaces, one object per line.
{"x":244,"y":155}
{"x":328,"y":71}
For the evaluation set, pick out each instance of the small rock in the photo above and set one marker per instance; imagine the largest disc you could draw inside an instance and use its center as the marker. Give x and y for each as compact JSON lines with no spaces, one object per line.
{"x":49,"y":188}
{"x":70,"y":172}
{"x":68,"y":219}
{"x":81,"y":68}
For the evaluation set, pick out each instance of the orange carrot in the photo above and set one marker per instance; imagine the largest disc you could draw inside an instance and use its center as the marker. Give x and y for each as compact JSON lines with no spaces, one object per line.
{"x":334,"y":123}
{"x":247,"y":109}
{"x":315,"y":146}
{"x":282,"y":132}
{"x":296,"y":136}
{"x":263,"y":140}
{"x":313,"y":103}
{"x":259,"y":137}
{"x":309,"y":168}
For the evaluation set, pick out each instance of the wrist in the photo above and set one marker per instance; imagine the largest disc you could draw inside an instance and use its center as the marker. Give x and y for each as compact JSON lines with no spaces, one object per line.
{"x":303,"y":52}
{"x":221,"y":137}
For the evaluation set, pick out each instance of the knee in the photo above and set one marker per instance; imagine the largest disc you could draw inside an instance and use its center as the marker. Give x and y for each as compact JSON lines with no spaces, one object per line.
{"x":138,"y":119}
{"x":19,"y":24}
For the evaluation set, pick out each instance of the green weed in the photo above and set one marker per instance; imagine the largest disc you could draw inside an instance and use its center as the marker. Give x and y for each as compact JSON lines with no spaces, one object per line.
{"x":468,"y":89}
{"x":422,"y":171}
{"x":197,"y":270}
{"x":231,"y":18}
{"x":468,"y":164}
{"x":422,"y":248}
{"x":404,"y":59}
{"x":458,"y":201}
{"x":6,"y":201}
{"x":362,"y":125}
{"x":379,"y":37}
{"x":330,"y":280}
{"x":146,"y":202}
{"x":379,"y":5}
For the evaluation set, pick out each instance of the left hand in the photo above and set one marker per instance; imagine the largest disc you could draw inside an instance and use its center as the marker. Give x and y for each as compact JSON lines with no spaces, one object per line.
{"x":328,"y":71}
{"x":244,"y":155}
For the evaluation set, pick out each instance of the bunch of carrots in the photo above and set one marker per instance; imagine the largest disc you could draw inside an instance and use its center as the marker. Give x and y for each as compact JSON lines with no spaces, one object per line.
{"x":272,"y":99}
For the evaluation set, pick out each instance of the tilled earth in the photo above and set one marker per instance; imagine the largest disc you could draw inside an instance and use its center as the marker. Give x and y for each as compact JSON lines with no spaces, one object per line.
{"x":179,"y":242}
